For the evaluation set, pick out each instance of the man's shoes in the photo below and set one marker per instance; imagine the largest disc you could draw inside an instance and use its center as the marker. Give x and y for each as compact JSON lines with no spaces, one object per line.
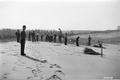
{"x":23,"y":54}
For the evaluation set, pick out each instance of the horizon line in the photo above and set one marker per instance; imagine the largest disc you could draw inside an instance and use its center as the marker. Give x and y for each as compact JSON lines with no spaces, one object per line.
{"x":62,"y":29}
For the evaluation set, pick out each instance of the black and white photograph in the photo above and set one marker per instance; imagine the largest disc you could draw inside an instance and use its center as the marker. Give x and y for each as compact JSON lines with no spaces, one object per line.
{"x":59,"y":39}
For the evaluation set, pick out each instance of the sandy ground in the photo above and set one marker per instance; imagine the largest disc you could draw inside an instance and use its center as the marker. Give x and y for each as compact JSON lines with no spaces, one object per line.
{"x":66,"y":62}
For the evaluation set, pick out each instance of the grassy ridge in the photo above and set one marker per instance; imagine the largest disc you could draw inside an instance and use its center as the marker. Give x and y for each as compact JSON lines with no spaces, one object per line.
{"x":109,"y":36}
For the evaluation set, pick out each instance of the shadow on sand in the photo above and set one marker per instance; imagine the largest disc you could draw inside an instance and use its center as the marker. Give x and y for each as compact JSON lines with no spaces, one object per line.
{"x":34,"y":59}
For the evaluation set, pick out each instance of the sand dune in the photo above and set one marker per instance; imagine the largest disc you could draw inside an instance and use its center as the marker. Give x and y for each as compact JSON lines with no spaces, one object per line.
{"x":61,"y":62}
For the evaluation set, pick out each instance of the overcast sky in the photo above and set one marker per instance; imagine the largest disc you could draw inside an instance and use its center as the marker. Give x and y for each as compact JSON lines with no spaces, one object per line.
{"x":64,"y":14}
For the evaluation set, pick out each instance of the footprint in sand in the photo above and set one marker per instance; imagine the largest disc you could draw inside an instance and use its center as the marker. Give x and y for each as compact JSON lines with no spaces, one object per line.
{"x":4,"y":76}
{"x":59,"y":72}
{"x":37,"y":74}
{"x":34,"y":72}
{"x":54,"y":77}
{"x":54,"y":65}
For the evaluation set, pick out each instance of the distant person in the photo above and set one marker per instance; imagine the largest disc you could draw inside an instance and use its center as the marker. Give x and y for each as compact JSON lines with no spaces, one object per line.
{"x":46,"y":38}
{"x":77,"y":41}
{"x":89,"y":40}
{"x":60,"y":38}
{"x":41,"y":37}
{"x":65,"y":41}
{"x":18,"y":36}
{"x":22,"y":41}
{"x":54,"y":38}
{"x":60,"y":35}
{"x":33,"y":36}
{"x":51,"y":38}
{"x":37,"y":37}
{"x":29,"y":36}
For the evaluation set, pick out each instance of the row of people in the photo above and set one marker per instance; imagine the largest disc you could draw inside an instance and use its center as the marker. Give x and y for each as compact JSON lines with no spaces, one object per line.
{"x":32,"y":36}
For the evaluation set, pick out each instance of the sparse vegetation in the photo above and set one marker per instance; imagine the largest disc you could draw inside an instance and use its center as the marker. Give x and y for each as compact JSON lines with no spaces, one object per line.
{"x":9,"y":35}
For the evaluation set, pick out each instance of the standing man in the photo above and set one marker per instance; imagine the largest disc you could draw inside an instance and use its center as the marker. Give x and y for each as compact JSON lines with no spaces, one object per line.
{"x":60,"y":35}
{"x":54,"y":37}
{"x":65,"y":39}
{"x":77,"y":41}
{"x":23,"y":36}
{"x":42,"y":37}
{"x":89,"y":40}
{"x":37,"y":36}
{"x":33,"y":36}
{"x":46,"y":37}
{"x":60,"y":38}
{"x":29,"y":36}
{"x":18,"y":36}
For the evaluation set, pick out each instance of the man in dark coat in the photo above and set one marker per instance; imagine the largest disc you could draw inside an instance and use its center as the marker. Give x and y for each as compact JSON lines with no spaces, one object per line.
{"x":60,"y":38}
{"x":77,"y":41}
{"x":54,"y":37}
{"x":89,"y":40}
{"x":60,"y":35}
{"x":37,"y":36}
{"x":18,"y":36}
{"x":23,"y":36}
{"x":42,"y":37}
{"x":29,"y":36}
{"x":65,"y":39}
{"x":33,"y":36}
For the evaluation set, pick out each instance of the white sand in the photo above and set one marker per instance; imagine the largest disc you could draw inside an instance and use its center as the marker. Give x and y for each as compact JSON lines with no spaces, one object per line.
{"x":70,"y":60}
